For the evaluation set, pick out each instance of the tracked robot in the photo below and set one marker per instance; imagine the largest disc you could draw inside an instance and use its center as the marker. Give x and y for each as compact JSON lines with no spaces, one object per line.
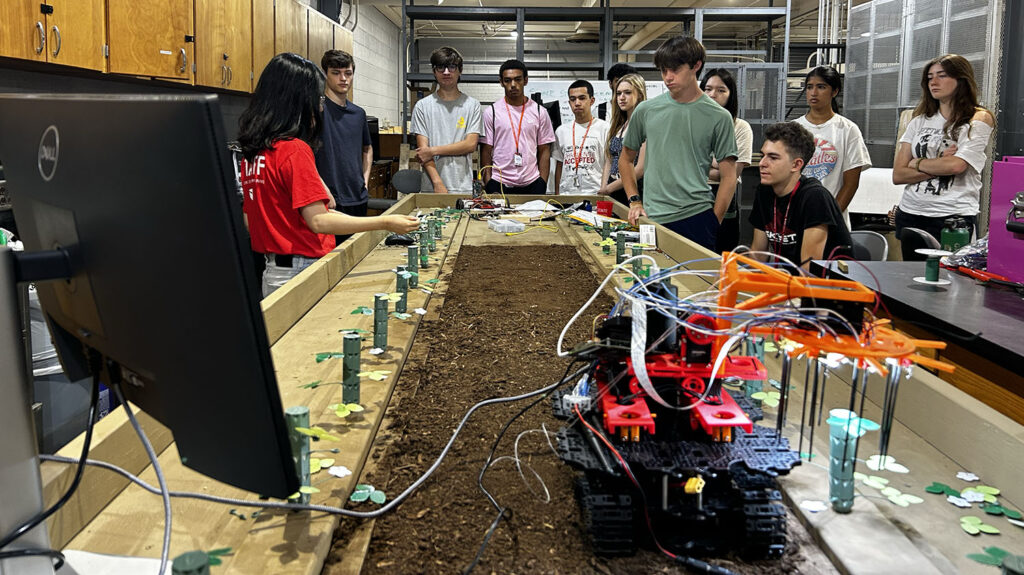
{"x":667,"y":455}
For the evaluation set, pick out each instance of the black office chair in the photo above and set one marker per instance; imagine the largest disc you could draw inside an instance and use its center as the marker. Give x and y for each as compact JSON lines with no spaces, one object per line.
{"x":407,"y":181}
{"x":913,"y":239}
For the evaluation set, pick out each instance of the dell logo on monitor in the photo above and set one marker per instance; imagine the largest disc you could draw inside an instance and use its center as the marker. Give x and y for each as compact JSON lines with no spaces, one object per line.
{"x":49,"y":149}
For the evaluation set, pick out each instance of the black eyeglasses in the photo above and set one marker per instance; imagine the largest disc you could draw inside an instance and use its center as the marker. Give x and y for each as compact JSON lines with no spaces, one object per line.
{"x":446,"y":67}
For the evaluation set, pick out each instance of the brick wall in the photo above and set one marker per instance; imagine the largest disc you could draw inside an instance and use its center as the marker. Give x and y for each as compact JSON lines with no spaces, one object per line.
{"x":375,"y":44}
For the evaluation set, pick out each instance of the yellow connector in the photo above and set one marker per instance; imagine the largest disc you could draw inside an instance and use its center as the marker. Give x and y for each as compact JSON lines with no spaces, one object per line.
{"x":694,"y":485}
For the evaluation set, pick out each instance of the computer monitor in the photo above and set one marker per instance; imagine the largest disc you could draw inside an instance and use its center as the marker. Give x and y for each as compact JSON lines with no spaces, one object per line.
{"x":140,"y":190}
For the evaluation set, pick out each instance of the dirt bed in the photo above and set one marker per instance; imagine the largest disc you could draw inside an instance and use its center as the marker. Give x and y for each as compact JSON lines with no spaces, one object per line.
{"x":495,"y":337}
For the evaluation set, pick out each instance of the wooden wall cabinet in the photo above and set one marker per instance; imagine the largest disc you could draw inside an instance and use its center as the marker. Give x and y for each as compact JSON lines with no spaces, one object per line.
{"x":290,"y":27}
{"x":320,"y":36}
{"x":223,"y":44}
{"x":262,"y":37}
{"x":68,"y":32}
{"x":152,"y":38}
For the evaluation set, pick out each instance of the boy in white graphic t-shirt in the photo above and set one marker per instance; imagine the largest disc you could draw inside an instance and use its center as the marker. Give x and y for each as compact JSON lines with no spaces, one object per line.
{"x":579,"y":148}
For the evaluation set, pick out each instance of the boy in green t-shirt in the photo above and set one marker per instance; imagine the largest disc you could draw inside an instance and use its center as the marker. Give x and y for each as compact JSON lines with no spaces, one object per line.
{"x":683,"y":129}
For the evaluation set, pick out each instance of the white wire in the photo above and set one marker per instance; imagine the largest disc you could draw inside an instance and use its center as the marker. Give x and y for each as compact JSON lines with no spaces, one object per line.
{"x":597,"y":292}
{"x":519,"y":462}
{"x":164,"y":493}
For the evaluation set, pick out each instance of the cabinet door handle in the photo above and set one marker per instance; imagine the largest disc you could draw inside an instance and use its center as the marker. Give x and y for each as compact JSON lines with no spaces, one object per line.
{"x":56,"y":33}
{"x":231,"y":74}
{"x":42,"y":38}
{"x":223,"y":74}
{"x":184,"y":62}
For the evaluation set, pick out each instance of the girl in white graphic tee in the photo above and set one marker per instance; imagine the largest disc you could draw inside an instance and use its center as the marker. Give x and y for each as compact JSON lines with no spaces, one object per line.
{"x":942,"y":153}
{"x":839,"y":150}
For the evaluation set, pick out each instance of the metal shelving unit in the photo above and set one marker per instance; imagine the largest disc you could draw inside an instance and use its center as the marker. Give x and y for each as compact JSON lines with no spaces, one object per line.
{"x":693,"y":20}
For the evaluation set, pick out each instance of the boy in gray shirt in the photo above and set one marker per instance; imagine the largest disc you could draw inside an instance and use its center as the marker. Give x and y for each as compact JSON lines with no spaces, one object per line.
{"x":447,"y":126}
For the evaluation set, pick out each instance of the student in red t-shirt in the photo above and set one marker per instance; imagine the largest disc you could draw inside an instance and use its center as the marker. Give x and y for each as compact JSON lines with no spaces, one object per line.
{"x":288,"y":209}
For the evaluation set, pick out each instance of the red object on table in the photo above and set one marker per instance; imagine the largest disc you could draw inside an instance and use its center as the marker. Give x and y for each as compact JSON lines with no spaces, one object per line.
{"x":604,"y":208}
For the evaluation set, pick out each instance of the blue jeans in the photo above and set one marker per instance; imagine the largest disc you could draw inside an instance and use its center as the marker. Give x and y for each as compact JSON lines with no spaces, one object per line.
{"x":701,"y":228}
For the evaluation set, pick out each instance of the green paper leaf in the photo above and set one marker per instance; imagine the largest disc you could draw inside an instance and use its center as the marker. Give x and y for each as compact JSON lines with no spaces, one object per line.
{"x":759,"y":395}
{"x":987,"y":489}
{"x":294,"y":495}
{"x":328,"y":355}
{"x":985,"y":559}
{"x":912,"y":499}
{"x":306,"y":431}
{"x":326,"y":463}
{"x":364,"y":487}
{"x":951,"y":491}
{"x":375,"y":375}
{"x":989,"y":498}
{"x":227,"y":550}
{"x":873,"y":482}
{"x":899,"y":500}
{"x":970,"y":529}
{"x":359,"y":496}
{"x":861,"y":477}
{"x":314,"y":463}
{"x":308,"y":489}
{"x":378,"y":497}
{"x":771,"y":402}
{"x":353,"y":330}
{"x":881,"y":480}
{"x":936,"y":488}
{"x":342,"y":411}
{"x":991,"y":530}
{"x":891,"y":492}
{"x":213,"y":561}
{"x":362,"y":310}
{"x":432,"y":281}
{"x":992,"y":509}
{"x":970,"y":519}
{"x":311,"y":385}
{"x":1011,"y":513}
{"x":997,"y":552}
{"x":354,"y":407}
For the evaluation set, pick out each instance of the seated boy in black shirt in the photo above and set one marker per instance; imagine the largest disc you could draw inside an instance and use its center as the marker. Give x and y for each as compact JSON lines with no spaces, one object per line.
{"x":794,"y":216}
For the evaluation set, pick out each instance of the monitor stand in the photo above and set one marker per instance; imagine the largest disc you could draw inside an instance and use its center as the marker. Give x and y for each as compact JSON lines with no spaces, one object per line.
{"x":21,"y":489}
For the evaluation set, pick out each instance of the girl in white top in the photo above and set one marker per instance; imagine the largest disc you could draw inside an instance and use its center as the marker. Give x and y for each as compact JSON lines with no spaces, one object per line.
{"x":942,"y":152}
{"x":720,"y":86}
{"x":840,"y":154}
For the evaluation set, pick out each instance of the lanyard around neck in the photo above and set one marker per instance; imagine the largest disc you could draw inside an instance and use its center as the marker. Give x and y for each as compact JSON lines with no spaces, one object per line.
{"x":775,"y":219}
{"x":579,"y":156}
{"x":515,"y":133}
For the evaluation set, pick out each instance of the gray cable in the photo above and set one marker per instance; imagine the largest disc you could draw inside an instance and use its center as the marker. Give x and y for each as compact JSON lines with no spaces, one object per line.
{"x":164,"y":493}
{"x":300,"y":507}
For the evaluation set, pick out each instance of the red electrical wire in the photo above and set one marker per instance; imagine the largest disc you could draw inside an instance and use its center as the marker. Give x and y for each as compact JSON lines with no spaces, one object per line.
{"x":629,"y":473}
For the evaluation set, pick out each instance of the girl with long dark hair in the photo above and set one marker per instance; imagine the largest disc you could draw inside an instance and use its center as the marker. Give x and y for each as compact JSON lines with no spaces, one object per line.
{"x":720,"y":86}
{"x":839,"y":150}
{"x":288,"y":209}
{"x":942,"y":152}
{"x":629,"y":92}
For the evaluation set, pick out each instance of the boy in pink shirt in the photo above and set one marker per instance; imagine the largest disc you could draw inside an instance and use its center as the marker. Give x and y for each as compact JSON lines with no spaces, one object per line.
{"x":516,"y":139}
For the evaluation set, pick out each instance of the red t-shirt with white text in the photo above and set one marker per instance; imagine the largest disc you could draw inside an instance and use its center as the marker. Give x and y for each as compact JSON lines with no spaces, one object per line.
{"x":275,"y":184}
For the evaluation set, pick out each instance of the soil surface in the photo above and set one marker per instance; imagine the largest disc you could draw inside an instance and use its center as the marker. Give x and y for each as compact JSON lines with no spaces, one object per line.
{"x":495,"y":337}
